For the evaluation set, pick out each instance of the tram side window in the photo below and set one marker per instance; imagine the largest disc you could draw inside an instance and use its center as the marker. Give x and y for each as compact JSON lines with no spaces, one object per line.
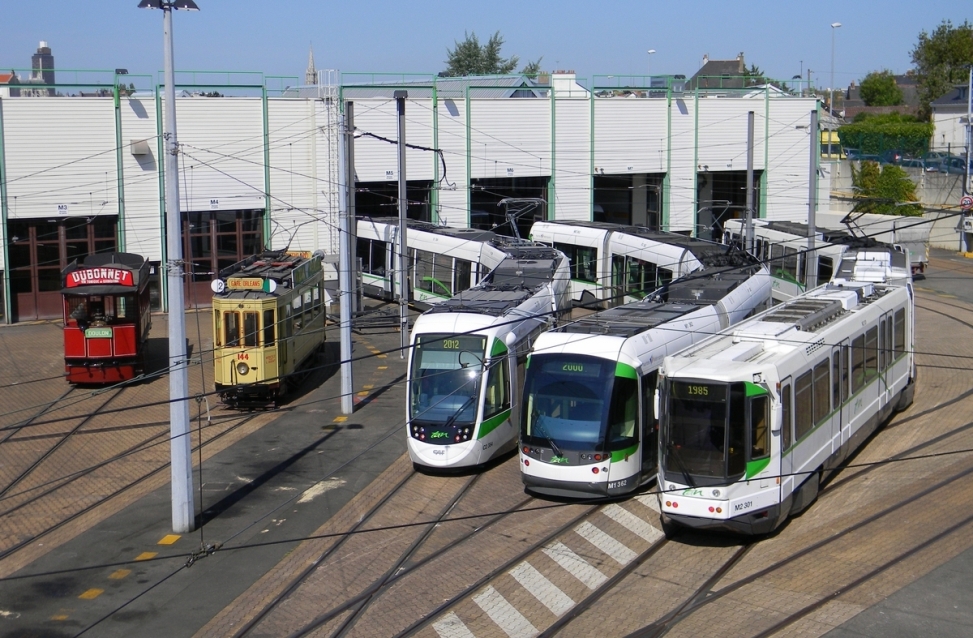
{"x":463,"y":275}
{"x":443,"y":275}
{"x":825,"y":269}
{"x":776,"y":259}
{"x":899,"y":333}
{"x":251,"y":328}
{"x":497,"y":388}
{"x":759,"y":432}
{"x":298,"y":320}
{"x":308,"y":308}
{"x":836,"y":379}
{"x":822,"y":391}
{"x":803,"y":420}
{"x":845,"y":355}
{"x":871,"y":353}
{"x":889,"y":355}
{"x":785,"y":417}
{"x":218,"y":328}
{"x":270,"y":330}
{"x":424,"y":273}
{"x":881,"y":346}
{"x":790,"y":263}
{"x":231,"y":325}
{"x":736,"y":453}
{"x":583,"y":261}
{"x":858,"y":363}
{"x":623,"y":414}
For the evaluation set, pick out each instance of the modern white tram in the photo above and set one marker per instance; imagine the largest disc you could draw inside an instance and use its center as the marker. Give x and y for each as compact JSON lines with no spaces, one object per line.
{"x":442,"y":261}
{"x":466,"y":367}
{"x":588,"y":427}
{"x":782,"y":245}
{"x":753,"y":419}
{"x":613,"y":264}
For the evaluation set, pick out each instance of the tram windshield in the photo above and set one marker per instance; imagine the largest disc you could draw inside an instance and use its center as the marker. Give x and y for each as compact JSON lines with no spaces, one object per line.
{"x":445,"y":383}
{"x":704,"y":432}
{"x":577,"y":403}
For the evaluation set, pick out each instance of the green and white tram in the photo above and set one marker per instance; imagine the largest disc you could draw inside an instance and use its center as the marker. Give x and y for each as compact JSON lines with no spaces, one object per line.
{"x":466,"y":367}
{"x":753,"y":419}
{"x":588,"y":427}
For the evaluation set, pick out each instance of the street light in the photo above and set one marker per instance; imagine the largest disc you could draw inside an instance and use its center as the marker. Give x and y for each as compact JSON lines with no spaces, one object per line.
{"x":648,"y":67}
{"x":183,"y":509}
{"x":834,"y":25}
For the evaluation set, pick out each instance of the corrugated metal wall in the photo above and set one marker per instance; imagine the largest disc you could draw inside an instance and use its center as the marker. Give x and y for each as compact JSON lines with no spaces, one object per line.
{"x":63,"y":152}
{"x":143,"y":209}
{"x":60,"y":157}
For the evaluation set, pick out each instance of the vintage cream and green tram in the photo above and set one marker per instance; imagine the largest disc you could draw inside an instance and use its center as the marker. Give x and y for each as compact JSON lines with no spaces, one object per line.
{"x":268,"y":322}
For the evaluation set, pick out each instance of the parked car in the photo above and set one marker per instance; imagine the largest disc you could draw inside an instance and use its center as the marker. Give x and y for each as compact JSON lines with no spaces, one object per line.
{"x":933,"y":159}
{"x":891,"y":156}
{"x":953,"y":164}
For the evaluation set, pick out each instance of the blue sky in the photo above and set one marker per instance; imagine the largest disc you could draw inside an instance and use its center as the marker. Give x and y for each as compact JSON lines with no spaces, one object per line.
{"x":606,"y":37}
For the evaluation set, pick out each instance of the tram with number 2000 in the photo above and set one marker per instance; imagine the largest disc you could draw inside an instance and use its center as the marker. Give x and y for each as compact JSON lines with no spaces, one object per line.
{"x":268,"y":321}
{"x":588,"y":428}
{"x":106,"y":318}
{"x":753,"y":419}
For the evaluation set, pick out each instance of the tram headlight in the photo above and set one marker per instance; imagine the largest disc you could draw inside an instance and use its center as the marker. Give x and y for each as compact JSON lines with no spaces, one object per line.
{"x":716,"y":493}
{"x":242,"y":369}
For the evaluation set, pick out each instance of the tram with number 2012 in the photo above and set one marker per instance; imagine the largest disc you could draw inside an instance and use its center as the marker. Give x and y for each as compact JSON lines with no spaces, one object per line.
{"x":106,"y":318}
{"x":466,"y":367}
{"x":268,"y":321}
{"x":755,"y":417}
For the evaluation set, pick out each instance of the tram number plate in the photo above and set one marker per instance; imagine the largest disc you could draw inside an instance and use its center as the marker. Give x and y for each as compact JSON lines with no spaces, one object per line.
{"x":97,"y":333}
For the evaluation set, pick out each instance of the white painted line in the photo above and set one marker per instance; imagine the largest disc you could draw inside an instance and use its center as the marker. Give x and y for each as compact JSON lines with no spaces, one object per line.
{"x":320,"y":488}
{"x":651,"y":501}
{"x":622,"y":554}
{"x":452,"y":627}
{"x":504,"y":614}
{"x":542,"y":589}
{"x":575,"y":565}
{"x":632,"y":523}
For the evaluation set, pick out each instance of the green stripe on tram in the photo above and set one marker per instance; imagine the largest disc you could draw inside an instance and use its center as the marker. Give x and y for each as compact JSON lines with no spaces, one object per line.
{"x":756,"y":467}
{"x":492,"y":423}
{"x":497,"y":347}
{"x":622,"y":455}
{"x":754,"y":390}
{"x":625,"y":370}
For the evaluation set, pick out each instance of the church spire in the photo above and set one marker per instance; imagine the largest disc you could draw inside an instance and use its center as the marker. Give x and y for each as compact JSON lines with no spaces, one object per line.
{"x":311,"y":75}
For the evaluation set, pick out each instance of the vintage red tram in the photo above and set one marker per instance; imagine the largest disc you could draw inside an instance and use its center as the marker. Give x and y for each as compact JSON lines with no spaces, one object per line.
{"x":106,"y":317}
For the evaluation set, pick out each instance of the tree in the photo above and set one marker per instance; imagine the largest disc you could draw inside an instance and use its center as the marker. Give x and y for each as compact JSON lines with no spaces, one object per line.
{"x":533,"y":68}
{"x":888,"y":191}
{"x":942,"y":59}
{"x":469,"y":57}
{"x":879,"y":89}
{"x":872,"y":134}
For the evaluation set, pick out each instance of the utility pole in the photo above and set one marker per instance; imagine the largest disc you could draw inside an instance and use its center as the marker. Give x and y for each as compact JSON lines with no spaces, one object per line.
{"x":400,"y":97}
{"x":345,"y":176}
{"x":749,"y":219}
{"x":183,"y":507}
{"x":812,"y":201}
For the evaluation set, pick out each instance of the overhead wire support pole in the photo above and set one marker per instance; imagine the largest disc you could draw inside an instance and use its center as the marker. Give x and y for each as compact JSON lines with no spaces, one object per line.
{"x":400,"y":97}
{"x":812,"y":199}
{"x":749,"y":219}
{"x":183,"y":507}
{"x":347,"y":293}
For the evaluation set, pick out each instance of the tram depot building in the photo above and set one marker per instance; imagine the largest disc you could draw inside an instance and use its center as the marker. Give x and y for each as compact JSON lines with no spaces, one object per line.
{"x":261,"y":168}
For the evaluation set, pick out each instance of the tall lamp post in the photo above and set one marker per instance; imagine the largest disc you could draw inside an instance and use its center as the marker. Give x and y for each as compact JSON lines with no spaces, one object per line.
{"x":183,"y":508}
{"x":649,"y":66}
{"x":834,"y":26}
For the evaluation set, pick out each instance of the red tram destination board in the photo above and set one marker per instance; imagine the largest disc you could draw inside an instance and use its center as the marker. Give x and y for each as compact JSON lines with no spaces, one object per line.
{"x":94,"y":276}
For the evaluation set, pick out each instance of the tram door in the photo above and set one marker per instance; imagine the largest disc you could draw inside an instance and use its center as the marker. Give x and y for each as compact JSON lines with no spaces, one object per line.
{"x":841,"y":373}
{"x":650,"y":426}
{"x":786,"y":438}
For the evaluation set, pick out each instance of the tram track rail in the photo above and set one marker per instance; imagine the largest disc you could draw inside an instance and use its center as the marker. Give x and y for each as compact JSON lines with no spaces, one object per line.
{"x":12,"y":549}
{"x":408,"y":562}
